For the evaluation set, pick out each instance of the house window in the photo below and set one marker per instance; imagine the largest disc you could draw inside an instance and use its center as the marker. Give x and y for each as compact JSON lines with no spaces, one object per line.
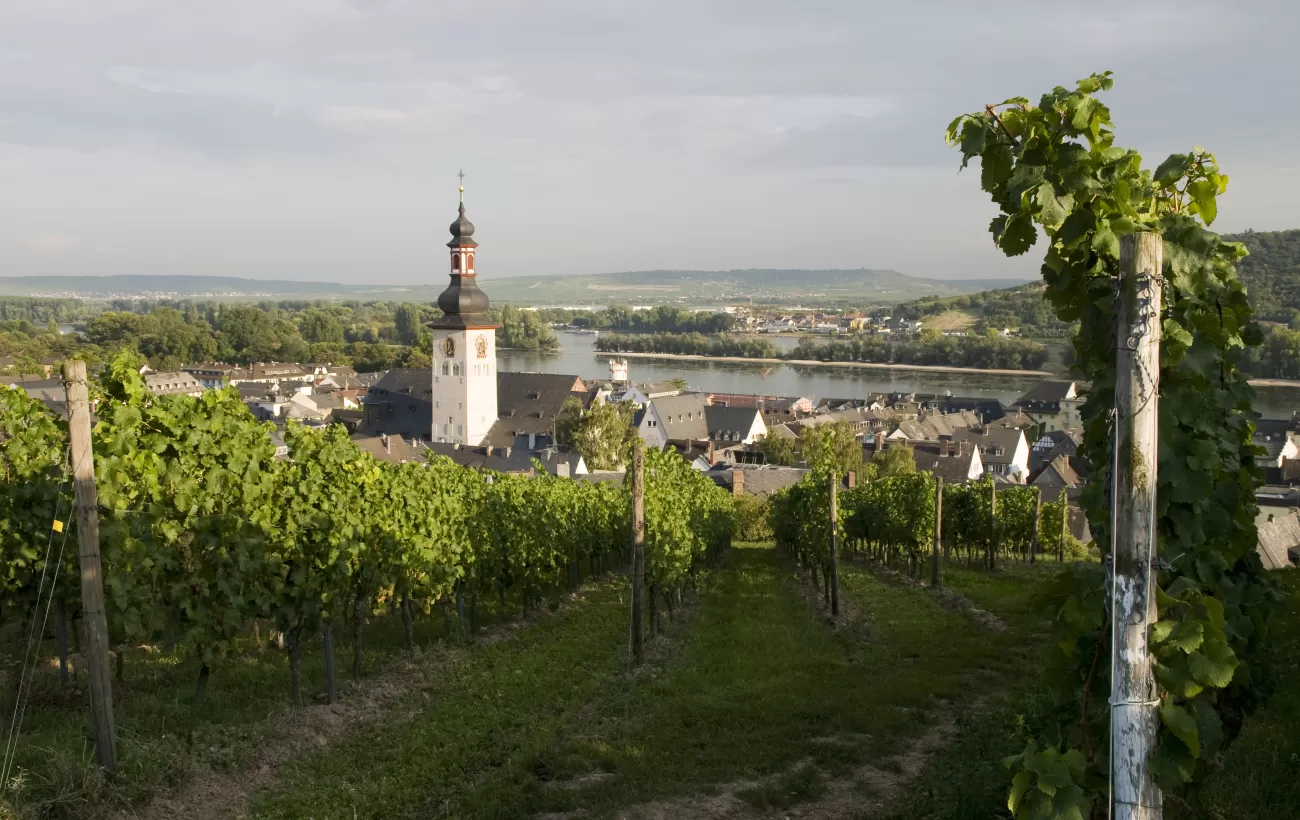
{"x":455,"y":369}
{"x":444,"y":367}
{"x":455,"y":263}
{"x":460,"y":429}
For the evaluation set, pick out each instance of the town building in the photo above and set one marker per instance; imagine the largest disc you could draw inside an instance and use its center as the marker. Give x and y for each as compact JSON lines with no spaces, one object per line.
{"x":1054,"y":404}
{"x":172,"y":383}
{"x":464,"y":348}
{"x":1004,"y":451}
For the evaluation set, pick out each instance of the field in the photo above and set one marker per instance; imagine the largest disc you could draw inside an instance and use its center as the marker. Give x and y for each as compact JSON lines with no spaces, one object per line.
{"x":753,"y":704}
{"x":951,"y":320}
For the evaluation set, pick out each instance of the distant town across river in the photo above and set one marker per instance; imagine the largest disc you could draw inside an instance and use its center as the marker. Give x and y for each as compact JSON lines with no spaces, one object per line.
{"x":577,"y":355}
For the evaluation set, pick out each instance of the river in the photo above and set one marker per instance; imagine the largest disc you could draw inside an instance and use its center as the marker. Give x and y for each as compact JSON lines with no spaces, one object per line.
{"x":577,"y":355}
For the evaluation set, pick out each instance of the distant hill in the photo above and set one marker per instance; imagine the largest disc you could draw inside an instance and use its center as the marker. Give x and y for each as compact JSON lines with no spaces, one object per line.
{"x":1271,"y":273}
{"x":107,"y":287}
{"x":696,"y":287}
{"x":636,"y":287}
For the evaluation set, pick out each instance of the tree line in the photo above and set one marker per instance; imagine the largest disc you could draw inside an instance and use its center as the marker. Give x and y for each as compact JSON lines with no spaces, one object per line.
{"x":929,"y":348}
{"x":366,"y":335}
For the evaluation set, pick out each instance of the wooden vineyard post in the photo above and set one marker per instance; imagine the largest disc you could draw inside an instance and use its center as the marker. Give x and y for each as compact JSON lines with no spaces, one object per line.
{"x":331,"y":689}
{"x":92,"y":572}
{"x":61,"y":637}
{"x":1065,"y":526}
{"x":993,"y":522}
{"x":938,"y":532}
{"x":638,"y":551}
{"x":1134,"y":716}
{"x":1038,"y":519}
{"x":834,"y":581}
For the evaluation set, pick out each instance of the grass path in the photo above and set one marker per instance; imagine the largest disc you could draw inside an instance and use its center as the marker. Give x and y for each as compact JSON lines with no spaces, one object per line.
{"x":756,"y":691}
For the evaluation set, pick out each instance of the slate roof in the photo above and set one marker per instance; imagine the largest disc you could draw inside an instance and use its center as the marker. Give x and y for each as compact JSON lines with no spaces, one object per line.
{"x":528,"y":403}
{"x":1271,"y":434}
{"x":954,"y":468}
{"x":1278,"y":537}
{"x":730,"y":423}
{"x":1053,"y":444}
{"x":171,"y":383}
{"x":997,"y":445}
{"x":1046,"y":396}
{"x":393,"y":449}
{"x":276,"y":371}
{"x":49,"y":392}
{"x":682,"y":417}
{"x":506,"y":459}
{"x":759,"y":479}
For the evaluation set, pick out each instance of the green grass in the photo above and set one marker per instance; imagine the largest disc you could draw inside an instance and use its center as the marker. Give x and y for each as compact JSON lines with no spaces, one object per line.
{"x":755,"y":689}
{"x":161,"y":737}
{"x":752,"y":694}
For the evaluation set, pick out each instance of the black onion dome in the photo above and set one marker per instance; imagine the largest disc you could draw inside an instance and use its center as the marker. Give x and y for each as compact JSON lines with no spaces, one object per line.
{"x":463,"y":297}
{"x":462,"y":231}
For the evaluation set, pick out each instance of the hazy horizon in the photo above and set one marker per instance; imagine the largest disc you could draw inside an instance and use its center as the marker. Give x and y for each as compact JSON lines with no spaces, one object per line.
{"x":275,"y":139}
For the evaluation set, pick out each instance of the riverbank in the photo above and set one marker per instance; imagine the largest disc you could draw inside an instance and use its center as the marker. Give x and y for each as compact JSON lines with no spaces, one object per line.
{"x":926,"y":368}
{"x":1274,"y":383}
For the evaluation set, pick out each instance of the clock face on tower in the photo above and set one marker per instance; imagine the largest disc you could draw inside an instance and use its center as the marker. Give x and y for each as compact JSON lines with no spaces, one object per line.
{"x":449,"y":347}
{"x":480,"y":347}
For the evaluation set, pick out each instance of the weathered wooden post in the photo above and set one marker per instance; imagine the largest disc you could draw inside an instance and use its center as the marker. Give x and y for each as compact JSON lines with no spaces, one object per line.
{"x":993,"y":522}
{"x":1134,"y":719}
{"x":61,"y":638}
{"x":1038,"y":520}
{"x":1065,"y":526}
{"x":938,"y":532}
{"x":92,"y":572}
{"x":638,"y":550}
{"x":835,"y":543}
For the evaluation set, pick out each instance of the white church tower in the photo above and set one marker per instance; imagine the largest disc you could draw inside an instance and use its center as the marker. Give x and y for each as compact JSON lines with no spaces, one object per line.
{"x":464,"y":348}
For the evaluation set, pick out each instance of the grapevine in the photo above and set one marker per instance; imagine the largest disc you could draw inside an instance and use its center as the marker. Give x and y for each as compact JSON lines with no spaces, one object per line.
{"x":1055,"y":166}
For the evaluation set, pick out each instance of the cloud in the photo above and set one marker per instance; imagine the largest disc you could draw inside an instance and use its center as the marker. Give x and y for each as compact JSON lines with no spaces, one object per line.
{"x":307,"y":137}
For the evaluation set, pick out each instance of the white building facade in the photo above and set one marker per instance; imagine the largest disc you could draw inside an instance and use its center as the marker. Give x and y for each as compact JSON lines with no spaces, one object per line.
{"x":464,"y":349}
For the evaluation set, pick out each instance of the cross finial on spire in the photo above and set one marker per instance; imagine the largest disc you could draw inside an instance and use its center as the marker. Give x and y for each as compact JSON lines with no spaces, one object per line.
{"x":461,"y":174}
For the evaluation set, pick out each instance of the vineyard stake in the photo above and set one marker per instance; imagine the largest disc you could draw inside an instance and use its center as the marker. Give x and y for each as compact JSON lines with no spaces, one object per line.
{"x":1065,"y":525}
{"x":1038,"y":519}
{"x":938,"y":531}
{"x":834,"y":581}
{"x":61,"y":636}
{"x":1134,"y":696}
{"x":993,"y":522}
{"x":638,"y":551}
{"x":92,"y":572}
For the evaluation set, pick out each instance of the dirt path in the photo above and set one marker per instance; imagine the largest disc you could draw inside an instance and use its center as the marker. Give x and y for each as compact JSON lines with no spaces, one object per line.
{"x":866,"y":792}
{"x":399,"y":692}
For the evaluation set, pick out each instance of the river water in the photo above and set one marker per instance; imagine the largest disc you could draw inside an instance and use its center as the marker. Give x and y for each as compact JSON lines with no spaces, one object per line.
{"x":577,"y":355}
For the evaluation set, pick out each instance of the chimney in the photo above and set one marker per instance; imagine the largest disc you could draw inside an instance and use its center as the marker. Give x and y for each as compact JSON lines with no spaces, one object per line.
{"x":737,"y":482}
{"x":388,"y":444}
{"x":880,"y":440}
{"x":710,"y":453}
{"x":532,"y":441}
{"x":943,"y":448}
{"x":1270,"y":518}
{"x":505,"y":451}
{"x":851,"y":479}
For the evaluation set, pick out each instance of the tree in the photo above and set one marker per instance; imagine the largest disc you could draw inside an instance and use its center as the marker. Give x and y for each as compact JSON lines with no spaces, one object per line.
{"x":777,"y":450}
{"x":319,"y":326}
{"x":408,"y":323}
{"x":566,"y":421}
{"x":892,"y":461}
{"x":602,"y":433}
{"x":831,"y":448}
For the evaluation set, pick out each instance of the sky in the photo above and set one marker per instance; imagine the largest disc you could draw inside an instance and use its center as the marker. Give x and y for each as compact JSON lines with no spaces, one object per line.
{"x":320,"y":139}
